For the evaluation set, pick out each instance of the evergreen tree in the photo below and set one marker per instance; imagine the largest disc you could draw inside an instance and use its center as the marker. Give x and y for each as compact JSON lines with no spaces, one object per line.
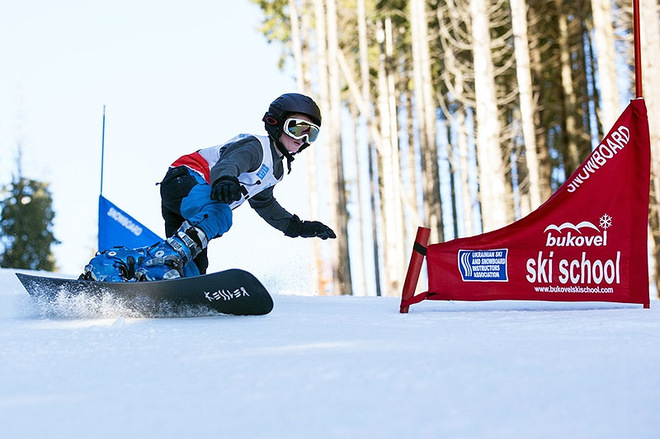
{"x":26,"y":223}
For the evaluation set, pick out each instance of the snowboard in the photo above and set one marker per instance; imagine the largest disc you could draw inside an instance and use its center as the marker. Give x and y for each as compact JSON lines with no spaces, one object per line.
{"x":233,"y":291}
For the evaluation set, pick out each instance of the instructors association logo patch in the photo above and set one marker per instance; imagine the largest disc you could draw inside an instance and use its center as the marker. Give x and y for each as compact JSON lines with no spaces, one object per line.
{"x":483,"y":265}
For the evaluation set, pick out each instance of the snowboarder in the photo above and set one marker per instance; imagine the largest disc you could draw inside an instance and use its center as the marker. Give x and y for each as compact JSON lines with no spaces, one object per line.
{"x":200,"y":190}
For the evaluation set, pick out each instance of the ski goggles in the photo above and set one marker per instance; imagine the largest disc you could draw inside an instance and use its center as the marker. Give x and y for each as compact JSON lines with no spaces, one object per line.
{"x":300,"y":129}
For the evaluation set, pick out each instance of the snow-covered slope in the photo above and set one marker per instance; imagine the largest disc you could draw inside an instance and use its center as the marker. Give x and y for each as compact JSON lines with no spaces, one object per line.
{"x":332,"y":367}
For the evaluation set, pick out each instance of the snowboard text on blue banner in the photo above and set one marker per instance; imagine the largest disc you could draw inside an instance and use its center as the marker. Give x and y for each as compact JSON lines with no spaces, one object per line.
{"x":116,"y":228}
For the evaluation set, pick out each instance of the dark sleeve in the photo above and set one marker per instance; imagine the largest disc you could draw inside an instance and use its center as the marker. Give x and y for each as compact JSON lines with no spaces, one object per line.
{"x":242,"y":156}
{"x":270,"y":210}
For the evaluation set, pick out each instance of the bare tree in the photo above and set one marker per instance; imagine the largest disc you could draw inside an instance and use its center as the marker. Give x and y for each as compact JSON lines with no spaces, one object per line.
{"x":341,"y":265}
{"x":604,"y":38}
{"x":425,"y":108}
{"x":524,"y":76}
{"x":492,"y":186}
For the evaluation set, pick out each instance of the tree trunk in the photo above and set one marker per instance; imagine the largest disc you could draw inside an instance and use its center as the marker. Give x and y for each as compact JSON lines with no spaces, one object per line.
{"x":607,"y":78}
{"x":341,"y":265}
{"x":310,"y":158}
{"x":572,"y":157}
{"x":524,"y":76}
{"x":390,"y":199}
{"x":425,"y":110}
{"x":492,"y":185}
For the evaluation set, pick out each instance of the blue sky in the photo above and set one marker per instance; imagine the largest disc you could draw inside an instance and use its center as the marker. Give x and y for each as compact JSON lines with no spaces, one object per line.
{"x":174,"y":77}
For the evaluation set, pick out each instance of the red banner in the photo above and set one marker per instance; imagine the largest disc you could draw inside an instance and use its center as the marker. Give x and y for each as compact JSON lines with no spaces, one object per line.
{"x":588,"y":242}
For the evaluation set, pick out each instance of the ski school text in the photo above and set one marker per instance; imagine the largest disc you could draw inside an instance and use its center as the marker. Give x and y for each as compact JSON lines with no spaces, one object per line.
{"x":607,"y":149}
{"x":576,"y":271}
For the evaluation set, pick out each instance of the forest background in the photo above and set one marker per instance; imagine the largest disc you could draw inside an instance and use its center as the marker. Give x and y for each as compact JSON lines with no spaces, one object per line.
{"x":462,"y":115}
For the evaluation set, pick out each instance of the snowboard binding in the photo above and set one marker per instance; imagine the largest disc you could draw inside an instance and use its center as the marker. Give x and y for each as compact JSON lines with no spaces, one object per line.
{"x":117,"y":264}
{"x":168,"y":259}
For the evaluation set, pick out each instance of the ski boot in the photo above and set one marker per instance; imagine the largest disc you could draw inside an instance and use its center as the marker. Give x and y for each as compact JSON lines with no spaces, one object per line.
{"x":173,"y":257}
{"x":117,"y":264}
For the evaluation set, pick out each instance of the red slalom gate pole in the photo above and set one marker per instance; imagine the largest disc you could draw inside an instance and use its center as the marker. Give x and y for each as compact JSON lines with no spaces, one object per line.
{"x":415,"y":266}
{"x":637,"y":50}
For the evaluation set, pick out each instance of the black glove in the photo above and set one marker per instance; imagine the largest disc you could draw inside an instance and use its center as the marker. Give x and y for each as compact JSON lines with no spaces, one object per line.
{"x":308,"y":229}
{"x":226,"y":189}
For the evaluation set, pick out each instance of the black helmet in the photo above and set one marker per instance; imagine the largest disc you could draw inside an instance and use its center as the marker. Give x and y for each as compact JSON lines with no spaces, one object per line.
{"x":290,"y":103}
{"x":281,"y":108}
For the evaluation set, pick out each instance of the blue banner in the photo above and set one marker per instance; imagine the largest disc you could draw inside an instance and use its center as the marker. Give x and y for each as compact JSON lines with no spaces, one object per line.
{"x":116,"y":228}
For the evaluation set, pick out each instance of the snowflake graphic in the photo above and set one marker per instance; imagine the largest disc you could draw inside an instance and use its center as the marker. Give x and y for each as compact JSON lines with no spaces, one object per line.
{"x":605,"y":221}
